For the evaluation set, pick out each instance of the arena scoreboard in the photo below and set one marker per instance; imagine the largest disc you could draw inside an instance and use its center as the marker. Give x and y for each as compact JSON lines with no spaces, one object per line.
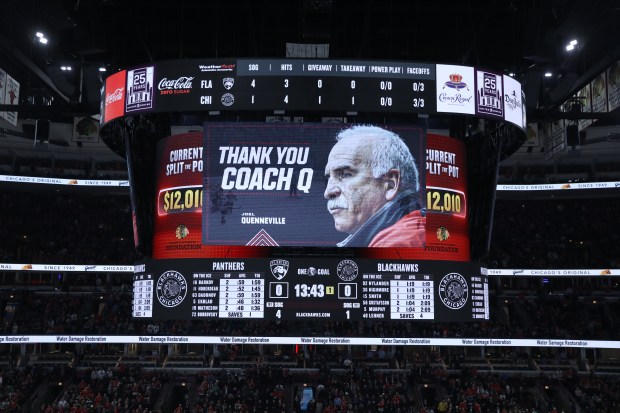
{"x":332,"y":85}
{"x":318,"y":85}
{"x":305,"y":288}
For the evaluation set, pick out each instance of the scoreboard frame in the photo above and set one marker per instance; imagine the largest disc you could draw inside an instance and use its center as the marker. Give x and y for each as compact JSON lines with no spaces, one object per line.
{"x":312,"y":85}
{"x":333,"y":88}
{"x":340,"y":289}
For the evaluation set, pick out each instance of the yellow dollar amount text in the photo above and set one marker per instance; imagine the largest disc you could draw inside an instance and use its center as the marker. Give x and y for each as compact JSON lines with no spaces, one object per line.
{"x":445,"y":200}
{"x":182,"y":199}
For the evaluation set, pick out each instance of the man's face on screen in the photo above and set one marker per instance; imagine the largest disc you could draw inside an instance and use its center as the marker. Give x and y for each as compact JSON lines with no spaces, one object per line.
{"x":353,"y":194}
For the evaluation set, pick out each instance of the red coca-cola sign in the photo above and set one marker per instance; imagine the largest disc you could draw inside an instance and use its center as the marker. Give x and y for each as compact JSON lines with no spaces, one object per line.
{"x":115,"y":88}
{"x":114,"y":96}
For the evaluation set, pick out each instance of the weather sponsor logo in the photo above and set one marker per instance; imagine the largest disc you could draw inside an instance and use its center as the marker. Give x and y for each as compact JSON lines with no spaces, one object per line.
{"x":216,"y":68}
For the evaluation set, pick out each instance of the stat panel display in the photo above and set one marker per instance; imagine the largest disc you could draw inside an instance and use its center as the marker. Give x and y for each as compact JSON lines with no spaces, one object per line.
{"x":201,"y":85}
{"x":302,"y":288}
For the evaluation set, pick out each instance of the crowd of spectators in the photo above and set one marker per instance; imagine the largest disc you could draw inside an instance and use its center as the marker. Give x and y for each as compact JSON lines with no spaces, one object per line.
{"x":530,"y":173}
{"x":124,"y":388}
{"x":63,"y":167}
{"x":15,"y":386}
{"x":525,"y":317}
{"x":555,"y":233}
{"x":360,"y":388}
{"x":257,"y":388}
{"x":596,"y":394}
{"x":472,"y":391}
{"x":65,"y":228}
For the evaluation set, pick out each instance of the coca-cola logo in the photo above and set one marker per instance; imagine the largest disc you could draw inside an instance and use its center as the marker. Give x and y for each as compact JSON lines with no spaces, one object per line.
{"x":114,"y":96}
{"x":183,"y":82}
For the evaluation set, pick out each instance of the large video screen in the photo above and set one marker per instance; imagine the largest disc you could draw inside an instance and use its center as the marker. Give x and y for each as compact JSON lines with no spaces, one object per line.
{"x":310,"y":288}
{"x":238,"y":189}
{"x":293,"y":185}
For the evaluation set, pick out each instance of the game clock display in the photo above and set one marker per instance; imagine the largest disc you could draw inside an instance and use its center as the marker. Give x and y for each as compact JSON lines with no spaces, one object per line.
{"x":302,"y":288}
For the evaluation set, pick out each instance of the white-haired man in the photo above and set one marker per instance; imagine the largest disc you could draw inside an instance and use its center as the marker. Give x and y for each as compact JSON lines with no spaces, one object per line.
{"x":373,"y":189}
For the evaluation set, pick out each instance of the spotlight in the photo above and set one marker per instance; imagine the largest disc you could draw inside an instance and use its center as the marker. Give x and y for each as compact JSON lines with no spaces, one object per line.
{"x":571,"y":45}
{"x":41,"y":37}
{"x":548,"y":74}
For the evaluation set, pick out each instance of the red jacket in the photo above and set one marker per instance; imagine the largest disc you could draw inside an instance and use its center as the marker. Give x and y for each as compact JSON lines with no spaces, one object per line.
{"x":409,"y":231}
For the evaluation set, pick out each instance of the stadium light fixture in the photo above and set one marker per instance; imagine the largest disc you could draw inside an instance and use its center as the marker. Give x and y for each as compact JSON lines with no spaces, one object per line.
{"x":40,"y":36}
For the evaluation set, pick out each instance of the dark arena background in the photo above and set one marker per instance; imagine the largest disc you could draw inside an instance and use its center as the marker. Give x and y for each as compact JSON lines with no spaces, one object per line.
{"x":173,"y":206}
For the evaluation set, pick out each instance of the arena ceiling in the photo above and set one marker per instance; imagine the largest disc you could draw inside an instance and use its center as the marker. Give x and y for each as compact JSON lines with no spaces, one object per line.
{"x":522,"y":37}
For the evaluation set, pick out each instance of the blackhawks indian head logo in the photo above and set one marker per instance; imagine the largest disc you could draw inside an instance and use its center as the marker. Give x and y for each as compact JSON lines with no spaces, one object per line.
{"x":442,"y":233}
{"x":347,"y":270}
{"x":171,"y":288}
{"x":453,"y":291}
{"x":181,"y":231}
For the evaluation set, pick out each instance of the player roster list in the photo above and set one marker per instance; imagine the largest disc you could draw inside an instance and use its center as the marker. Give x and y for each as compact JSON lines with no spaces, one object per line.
{"x":307,"y":288}
{"x":227,"y":295}
{"x":143,"y":296}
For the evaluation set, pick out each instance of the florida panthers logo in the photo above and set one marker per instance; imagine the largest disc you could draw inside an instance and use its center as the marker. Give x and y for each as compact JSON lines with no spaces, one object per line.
{"x":279,"y":268}
{"x":228,"y":82}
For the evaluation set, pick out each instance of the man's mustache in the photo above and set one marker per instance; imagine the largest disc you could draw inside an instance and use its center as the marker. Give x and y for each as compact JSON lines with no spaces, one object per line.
{"x":337,"y":203}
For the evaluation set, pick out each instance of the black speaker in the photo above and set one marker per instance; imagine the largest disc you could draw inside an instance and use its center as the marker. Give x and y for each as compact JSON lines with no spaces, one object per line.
{"x":572,"y":135}
{"x":42,"y":130}
{"x":317,"y":20}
